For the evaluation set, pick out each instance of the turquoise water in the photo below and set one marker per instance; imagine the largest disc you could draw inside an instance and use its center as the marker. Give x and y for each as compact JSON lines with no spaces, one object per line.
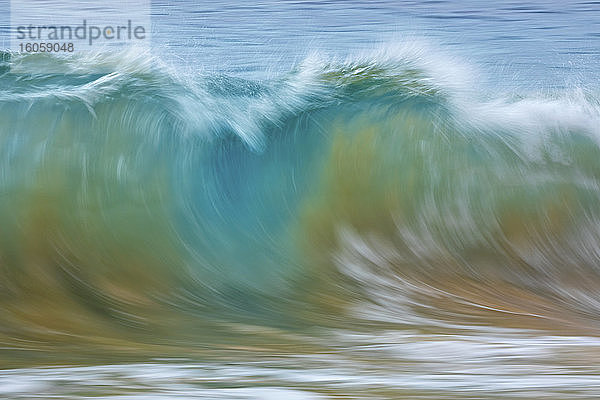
{"x":307,"y":200}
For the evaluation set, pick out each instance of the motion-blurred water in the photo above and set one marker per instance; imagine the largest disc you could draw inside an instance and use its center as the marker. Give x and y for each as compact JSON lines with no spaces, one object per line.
{"x":307,"y":200}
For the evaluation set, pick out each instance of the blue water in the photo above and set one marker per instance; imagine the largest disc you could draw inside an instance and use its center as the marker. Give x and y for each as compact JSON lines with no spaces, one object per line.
{"x":531,"y":43}
{"x":516,"y":43}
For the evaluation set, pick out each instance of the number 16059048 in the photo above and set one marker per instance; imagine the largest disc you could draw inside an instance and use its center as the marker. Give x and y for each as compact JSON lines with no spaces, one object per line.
{"x":46,"y":47}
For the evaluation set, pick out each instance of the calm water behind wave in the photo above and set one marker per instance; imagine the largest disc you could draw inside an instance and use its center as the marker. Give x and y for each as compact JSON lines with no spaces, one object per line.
{"x":517,"y":43}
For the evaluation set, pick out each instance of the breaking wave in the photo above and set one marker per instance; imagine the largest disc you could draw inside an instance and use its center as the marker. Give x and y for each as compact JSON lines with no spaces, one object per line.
{"x":385,"y":188}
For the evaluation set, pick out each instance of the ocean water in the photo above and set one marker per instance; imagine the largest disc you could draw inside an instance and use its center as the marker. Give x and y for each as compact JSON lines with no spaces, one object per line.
{"x":307,"y":200}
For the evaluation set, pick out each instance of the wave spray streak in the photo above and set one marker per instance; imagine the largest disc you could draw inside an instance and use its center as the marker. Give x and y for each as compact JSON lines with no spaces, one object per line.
{"x":382,"y":189}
